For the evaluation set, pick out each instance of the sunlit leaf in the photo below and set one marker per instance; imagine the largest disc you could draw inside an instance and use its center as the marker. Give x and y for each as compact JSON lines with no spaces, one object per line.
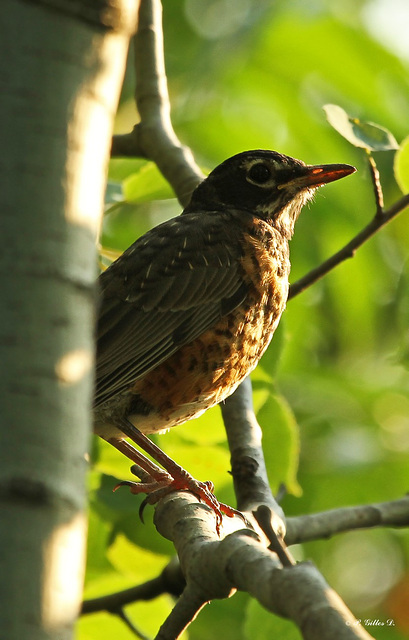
{"x":147,"y":184}
{"x":140,"y":564}
{"x":401,"y":166}
{"x":102,"y":625}
{"x":280,"y":442}
{"x":121,"y":168}
{"x":365,"y":135}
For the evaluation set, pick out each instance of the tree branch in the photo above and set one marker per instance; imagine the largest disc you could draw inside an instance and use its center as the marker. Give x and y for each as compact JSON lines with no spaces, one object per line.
{"x":154,"y":137}
{"x":183,"y":613}
{"x":170,"y":581}
{"x":318,"y":526}
{"x":128,"y":622}
{"x":215,"y":567}
{"x":348,"y":251}
{"x":329,"y":523}
{"x":247,"y":458}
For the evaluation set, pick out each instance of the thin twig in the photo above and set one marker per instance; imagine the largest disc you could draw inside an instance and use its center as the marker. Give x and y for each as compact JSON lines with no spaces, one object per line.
{"x":113,"y":601}
{"x":128,"y":622}
{"x":323,"y":525}
{"x":183,"y":613}
{"x":170,"y":581}
{"x":264,"y":517}
{"x":349,"y":249}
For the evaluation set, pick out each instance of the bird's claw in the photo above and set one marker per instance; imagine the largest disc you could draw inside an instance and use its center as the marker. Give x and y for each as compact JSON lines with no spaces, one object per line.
{"x":157,"y":489}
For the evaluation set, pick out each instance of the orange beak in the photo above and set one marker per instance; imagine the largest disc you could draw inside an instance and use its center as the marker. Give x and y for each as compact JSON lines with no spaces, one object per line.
{"x":319,"y":174}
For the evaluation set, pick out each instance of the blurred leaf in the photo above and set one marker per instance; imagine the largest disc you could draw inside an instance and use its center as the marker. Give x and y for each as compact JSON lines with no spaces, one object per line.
{"x":203,"y":462}
{"x":365,"y":135}
{"x":261,"y":624}
{"x":149,"y":616}
{"x":403,"y":316}
{"x":99,"y":533}
{"x":111,"y":462}
{"x":143,"y":534}
{"x":102,"y":625}
{"x":121,"y":168}
{"x":118,"y":502}
{"x":270,"y":361}
{"x":228,"y":616}
{"x":280,"y":442}
{"x":147,"y":184}
{"x":133,"y":561}
{"x":401,"y":166}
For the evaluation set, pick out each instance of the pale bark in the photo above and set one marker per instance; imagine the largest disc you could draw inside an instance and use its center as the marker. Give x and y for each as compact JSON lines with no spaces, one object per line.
{"x":61,"y":67}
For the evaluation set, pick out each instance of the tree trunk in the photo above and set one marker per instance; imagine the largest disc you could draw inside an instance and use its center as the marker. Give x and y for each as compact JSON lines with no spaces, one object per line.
{"x":61,"y":68}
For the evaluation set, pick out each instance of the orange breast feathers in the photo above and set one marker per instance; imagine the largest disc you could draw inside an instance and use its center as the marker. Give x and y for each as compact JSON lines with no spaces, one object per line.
{"x":206,"y":371}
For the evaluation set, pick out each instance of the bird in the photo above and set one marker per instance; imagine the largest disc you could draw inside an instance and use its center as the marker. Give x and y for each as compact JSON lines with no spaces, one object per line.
{"x":187,"y":311}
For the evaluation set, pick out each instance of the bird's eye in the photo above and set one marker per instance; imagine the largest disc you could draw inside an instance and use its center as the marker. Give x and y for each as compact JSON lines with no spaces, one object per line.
{"x":259,"y":173}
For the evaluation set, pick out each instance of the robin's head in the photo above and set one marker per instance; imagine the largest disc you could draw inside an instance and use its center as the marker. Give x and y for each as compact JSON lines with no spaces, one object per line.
{"x":268,"y":184}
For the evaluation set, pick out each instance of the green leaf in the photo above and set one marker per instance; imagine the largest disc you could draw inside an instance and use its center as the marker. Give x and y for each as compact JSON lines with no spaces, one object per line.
{"x":365,"y":135}
{"x":280,"y":442}
{"x":221,"y":618}
{"x":271,"y":359}
{"x":261,"y":624}
{"x":132,"y":561}
{"x":147,"y":184}
{"x":121,"y":168}
{"x":102,"y":625}
{"x":401,"y":166}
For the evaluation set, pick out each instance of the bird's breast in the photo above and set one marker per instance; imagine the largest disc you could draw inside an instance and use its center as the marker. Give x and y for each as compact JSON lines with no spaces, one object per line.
{"x":206,"y":371}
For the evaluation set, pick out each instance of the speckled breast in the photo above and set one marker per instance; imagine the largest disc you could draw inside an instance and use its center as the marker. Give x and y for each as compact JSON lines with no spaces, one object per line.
{"x":206,"y":371}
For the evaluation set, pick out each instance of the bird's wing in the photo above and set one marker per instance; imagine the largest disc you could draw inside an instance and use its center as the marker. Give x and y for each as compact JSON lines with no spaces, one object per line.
{"x":169,"y":287}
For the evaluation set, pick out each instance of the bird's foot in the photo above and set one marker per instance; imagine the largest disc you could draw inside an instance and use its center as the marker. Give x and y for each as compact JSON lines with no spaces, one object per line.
{"x":162,"y":483}
{"x":158,"y":482}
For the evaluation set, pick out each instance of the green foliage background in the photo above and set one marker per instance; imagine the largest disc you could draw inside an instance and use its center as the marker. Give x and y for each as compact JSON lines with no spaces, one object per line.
{"x":332,"y":392}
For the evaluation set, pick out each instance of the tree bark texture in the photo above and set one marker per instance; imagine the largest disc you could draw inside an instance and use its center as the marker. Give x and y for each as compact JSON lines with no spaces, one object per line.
{"x":61,"y":71}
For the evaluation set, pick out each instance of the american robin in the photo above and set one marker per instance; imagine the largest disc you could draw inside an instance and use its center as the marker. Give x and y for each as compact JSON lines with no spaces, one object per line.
{"x":189,"y":309}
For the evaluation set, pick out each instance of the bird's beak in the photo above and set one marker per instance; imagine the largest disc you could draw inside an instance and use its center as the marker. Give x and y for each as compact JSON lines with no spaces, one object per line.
{"x":318,"y":174}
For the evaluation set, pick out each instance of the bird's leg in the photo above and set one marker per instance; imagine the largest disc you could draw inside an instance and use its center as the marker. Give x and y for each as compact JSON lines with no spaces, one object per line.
{"x":153,"y":476}
{"x":172,"y":478}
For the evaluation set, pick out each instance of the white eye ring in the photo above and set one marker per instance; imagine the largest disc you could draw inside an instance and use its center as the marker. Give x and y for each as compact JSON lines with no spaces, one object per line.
{"x":259,"y":173}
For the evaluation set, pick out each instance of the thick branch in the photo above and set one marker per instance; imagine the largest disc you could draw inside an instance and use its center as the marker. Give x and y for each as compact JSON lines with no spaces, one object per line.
{"x":216,"y":567}
{"x":318,"y":526}
{"x":247,"y":460}
{"x":153,"y":137}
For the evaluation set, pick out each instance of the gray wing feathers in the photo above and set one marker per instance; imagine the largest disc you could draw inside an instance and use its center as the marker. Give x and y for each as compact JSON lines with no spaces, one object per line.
{"x":162,"y":294}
